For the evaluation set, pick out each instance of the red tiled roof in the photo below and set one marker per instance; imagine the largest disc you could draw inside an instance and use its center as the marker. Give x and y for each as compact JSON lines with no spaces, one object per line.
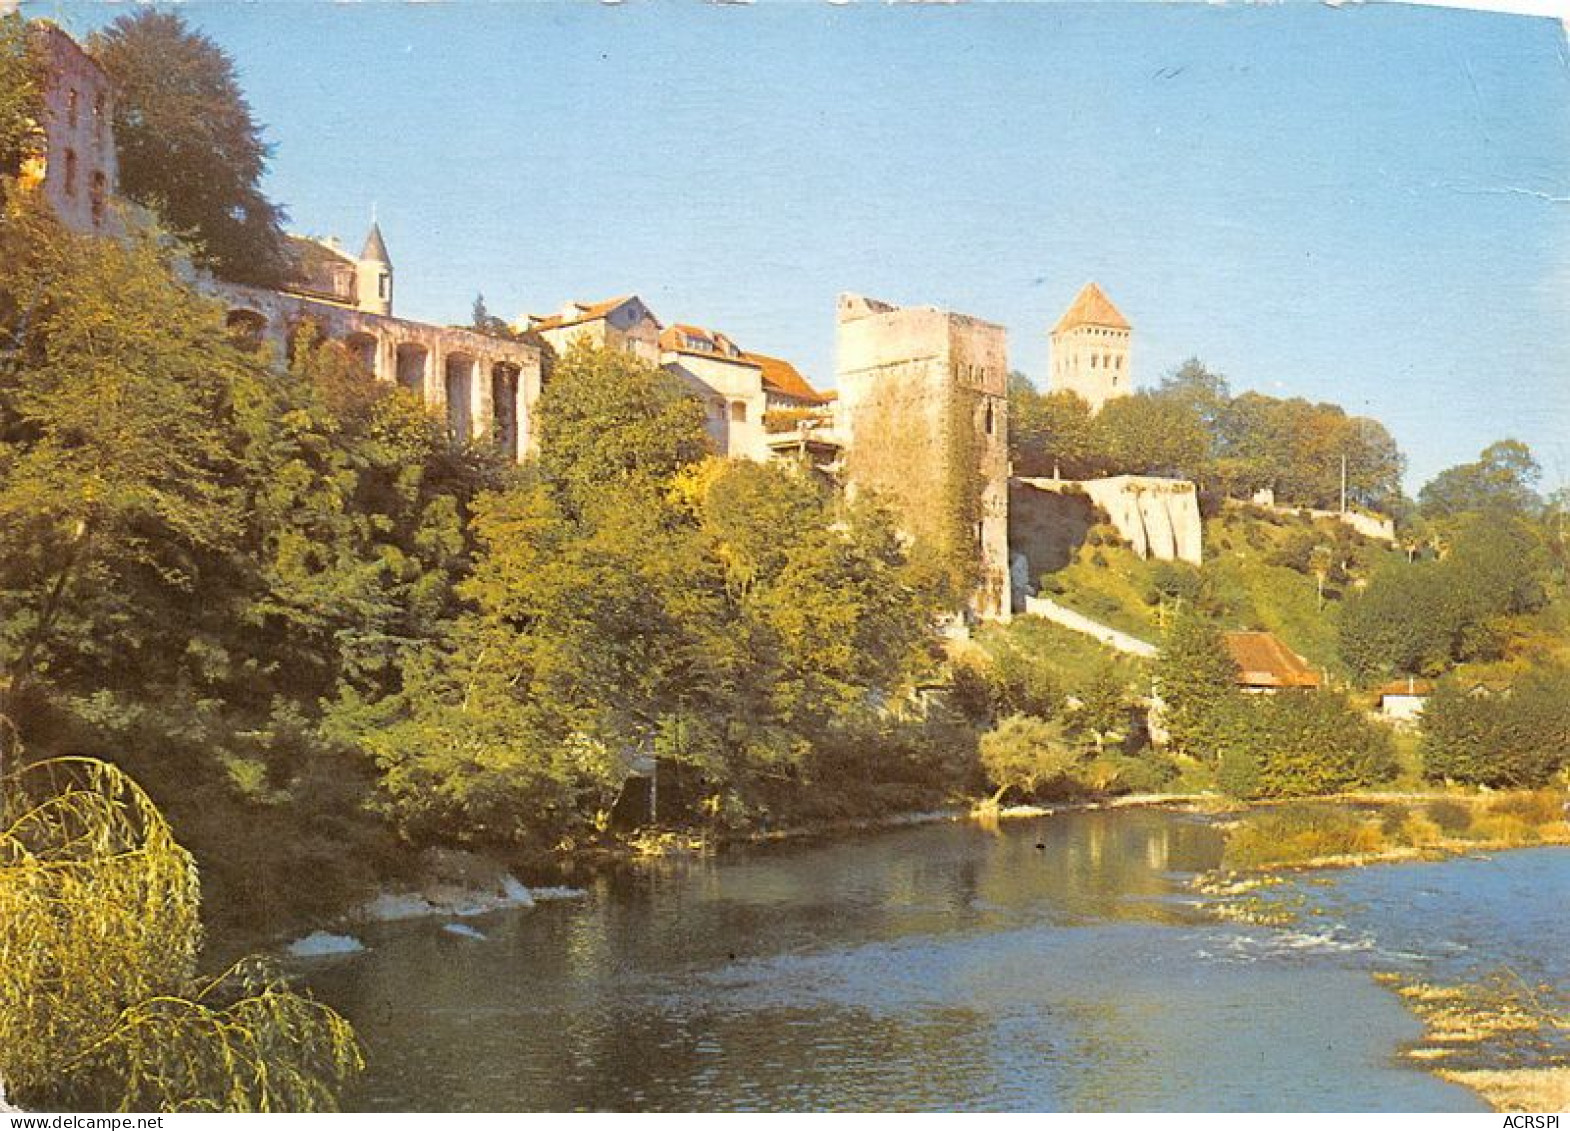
{"x":1263,"y":661}
{"x":1091,"y":308}
{"x":586,"y":312}
{"x":782,"y":377}
{"x":681,"y":337}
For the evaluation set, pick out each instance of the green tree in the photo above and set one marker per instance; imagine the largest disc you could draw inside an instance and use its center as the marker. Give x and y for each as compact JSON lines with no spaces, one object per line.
{"x":20,"y":96}
{"x":735,"y":620}
{"x":117,"y":453}
{"x":607,"y":419}
{"x":1028,"y":754}
{"x":101,"y":1005}
{"x":1148,"y":434}
{"x":482,"y":321}
{"x":1504,"y":479}
{"x":188,"y":145}
{"x":1052,"y":433}
{"x":1420,"y":617}
{"x":1515,"y":739}
{"x":1312,"y":743}
{"x":1197,"y":682}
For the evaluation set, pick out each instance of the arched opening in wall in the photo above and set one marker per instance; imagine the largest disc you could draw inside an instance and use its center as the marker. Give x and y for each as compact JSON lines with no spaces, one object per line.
{"x":247,"y":328}
{"x":302,"y":332}
{"x":362,"y":347}
{"x":459,"y":374}
{"x":99,"y":195}
{"x":738,"y":412}
{"x":413,"y":361}
{"x":504,"y":408}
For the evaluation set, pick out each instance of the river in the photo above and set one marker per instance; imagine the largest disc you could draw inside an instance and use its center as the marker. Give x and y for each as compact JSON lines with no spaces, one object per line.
{"x":1058,"y":963}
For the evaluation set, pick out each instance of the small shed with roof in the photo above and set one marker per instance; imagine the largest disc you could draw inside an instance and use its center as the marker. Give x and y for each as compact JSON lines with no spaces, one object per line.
{"x":1265,"y":665}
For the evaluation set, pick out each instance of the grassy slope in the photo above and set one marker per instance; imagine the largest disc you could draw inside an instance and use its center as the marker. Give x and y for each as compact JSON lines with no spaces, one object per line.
{"x":1110,"y":583}
{"x":1074,"y":659}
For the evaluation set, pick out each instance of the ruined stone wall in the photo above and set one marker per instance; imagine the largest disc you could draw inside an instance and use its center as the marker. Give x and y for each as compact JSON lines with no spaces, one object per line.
{"x":923,"y":411}
{"x":79,"y":173}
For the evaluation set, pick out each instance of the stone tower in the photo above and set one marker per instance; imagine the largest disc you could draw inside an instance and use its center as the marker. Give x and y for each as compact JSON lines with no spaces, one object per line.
{"x":1089,"y":352}
{"x":923,"y":411}
{"x":374,"y":275}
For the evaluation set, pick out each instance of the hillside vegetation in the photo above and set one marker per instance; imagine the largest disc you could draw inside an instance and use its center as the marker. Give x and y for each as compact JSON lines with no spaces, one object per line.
{"x":1283,"y":573}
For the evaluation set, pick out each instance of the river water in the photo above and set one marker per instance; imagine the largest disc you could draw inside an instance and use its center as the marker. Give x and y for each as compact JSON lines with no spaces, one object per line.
{"x":1058,"y":963}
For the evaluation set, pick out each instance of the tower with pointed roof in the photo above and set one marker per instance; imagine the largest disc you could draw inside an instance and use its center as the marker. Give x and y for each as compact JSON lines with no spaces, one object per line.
{"x":374,"y":274}
{"x":1089,"y":352}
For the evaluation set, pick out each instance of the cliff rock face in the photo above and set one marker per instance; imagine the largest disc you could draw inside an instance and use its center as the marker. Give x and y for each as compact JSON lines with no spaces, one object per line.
{"x":1049,"y":518}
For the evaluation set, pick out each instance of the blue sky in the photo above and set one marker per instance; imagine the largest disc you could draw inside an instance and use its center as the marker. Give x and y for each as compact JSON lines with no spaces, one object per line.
{"x":1367,"y":204}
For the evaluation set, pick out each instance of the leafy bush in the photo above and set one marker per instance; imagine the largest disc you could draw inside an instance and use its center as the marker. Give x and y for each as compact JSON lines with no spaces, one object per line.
{"x":1514,"y":739}
{"x":1029,"y":754}
{"x":1452,"y":817}
{"x":1297,"y":834}
{"x":1536,"y":807}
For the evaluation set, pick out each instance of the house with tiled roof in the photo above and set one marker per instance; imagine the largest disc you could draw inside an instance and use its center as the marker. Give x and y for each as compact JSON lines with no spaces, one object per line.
{"x":624,"y":323}
{"x":1266,"y":665}
{"x":1089,"y":350}
{"x":785,"y":386}
{"x":727,"y":380}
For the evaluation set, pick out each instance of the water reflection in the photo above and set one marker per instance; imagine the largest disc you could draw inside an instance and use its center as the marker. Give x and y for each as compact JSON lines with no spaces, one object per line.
{"x":1052,"y":964}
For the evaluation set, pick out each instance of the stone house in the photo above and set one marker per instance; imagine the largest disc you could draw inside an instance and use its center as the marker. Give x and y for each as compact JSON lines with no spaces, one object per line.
{"x":623,"y":323}
{"x":741,"y":390}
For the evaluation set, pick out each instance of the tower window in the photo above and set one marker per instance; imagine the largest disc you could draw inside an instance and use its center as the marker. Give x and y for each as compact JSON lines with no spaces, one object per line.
{"x":71,"y":100}
{"x":100,"y":193}
{"x":383,"y":287}
{"x":70,"y":172}
{"x":1092,"y":361}
{"x":989,"y":418}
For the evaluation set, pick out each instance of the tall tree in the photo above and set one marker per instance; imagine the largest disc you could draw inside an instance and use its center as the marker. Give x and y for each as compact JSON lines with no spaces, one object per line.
{"x":1503,"y":478}
{"x":1148,"y":434}
{"x":1197,"y":681}
{"x":188,"y":144}
{"x":1052,"y":433}
{"x":608,"y":419}
{"x":118,"y":455}
{"x":19,"y":95}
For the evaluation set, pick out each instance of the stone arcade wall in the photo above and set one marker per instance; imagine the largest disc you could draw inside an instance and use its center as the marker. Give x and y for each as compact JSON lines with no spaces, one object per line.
{"x":485,"y":387}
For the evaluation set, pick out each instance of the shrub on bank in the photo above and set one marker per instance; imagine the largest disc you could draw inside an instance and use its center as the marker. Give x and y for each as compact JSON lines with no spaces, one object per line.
{"x":1296,"y":834}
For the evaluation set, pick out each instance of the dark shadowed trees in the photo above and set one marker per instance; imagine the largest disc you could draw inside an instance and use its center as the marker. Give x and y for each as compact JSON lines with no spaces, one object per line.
{"x":188,"y":145}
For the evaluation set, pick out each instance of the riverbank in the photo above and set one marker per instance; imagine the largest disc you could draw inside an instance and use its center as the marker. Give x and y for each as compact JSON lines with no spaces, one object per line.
{"x":1505,"y":1040}
{"x":1352,"y":830}
{"x":1467,"y":1026}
